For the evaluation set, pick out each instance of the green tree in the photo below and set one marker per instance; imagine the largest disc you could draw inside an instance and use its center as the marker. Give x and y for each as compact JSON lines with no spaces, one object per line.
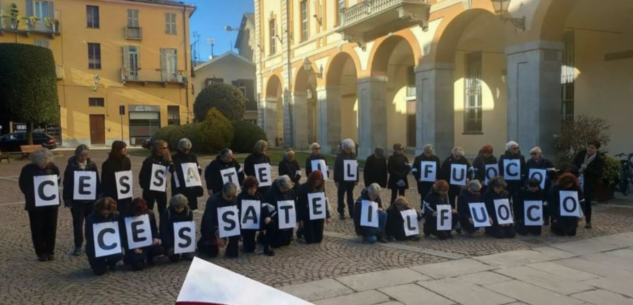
{"x":215,"y":132}
{"x":228,"y":99}
{"x":28,"y":85}
{"x":245,"y":136}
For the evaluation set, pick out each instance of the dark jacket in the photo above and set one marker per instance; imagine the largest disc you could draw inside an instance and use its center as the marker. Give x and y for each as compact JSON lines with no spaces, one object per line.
{"x":190,"y":192}
{"x":145,"y":176}
{"x":479,"y":167}
{"x":513,"y":185}
{"x":395,"y":223}
{"x":258,"y":197}
{"x":274,"y":196}
{"x":213,"y":176}
{"x":375,"y":171}
{"x":417,"y":171}
{"x":28,"y":189}
{"x":521,"y":197}
{"x":463,"y":203}
{"x":542,"y":164}
{"x":249,"y":168}
{"x":69,"y":181}
{"x":152,"y":226}
{"x":303,"y":206}
{"x":398,"y":167}
{"x":309,"y":164}
{"x":108,"y":178}
{"x":89,"y":233}
{"x":489,"y":198}
{"x":357,"y":211}
{"x":593,"y":172}
{"x":167,"y":221}
{"x":210,"y":224}
{"x":446,"y":169}
{"x":339,"y":171}
{"x":553,"y":204}
{"x":290,"y":168}
{"x":432,"y":200}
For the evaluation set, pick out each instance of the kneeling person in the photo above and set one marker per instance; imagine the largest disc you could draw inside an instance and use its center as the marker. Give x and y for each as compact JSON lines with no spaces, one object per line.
{"x":532,"y":192}
{"x":471,"y":194}
{"x":438,"y":196}
{"x":178,"y":211}
{"x":497,"y":191}
{"x":395,"y":221}
{"x":210,"y":241}
{"x":370,"y":234}
{"x":105,"y":210}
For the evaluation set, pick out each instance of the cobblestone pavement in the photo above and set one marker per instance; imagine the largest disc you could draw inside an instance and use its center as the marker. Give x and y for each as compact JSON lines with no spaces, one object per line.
{"x":69,"y":280}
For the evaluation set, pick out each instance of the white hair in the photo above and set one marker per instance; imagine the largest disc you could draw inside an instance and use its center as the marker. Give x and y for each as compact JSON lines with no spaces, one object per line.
{"x":288,"y":152}
{"x":536,"y":149}
{"x":179,"y":201}
{"x":428,"y":148}
{"x":348,"y":144}
{"x":511,"y":144}
{"x":229,"y":189}
{"x":41,"y":157}
{"x":315,"y":145}
{"x":184,"y":143}
{"x":457,"y":151}
{"x":374,"y":189}
{"x":284,"y":182}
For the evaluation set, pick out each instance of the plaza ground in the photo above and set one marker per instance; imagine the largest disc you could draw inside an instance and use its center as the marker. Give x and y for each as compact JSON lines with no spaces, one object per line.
{"x":591,"y":268}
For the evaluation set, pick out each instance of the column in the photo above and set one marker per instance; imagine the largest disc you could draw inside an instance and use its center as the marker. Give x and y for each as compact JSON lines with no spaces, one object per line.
{"x":534,"y":100}
{"x":435,"y":122}
{"x":288,"y":128}
{"x":300,"y":120}
{"x":329,"y":118}
{"x":269,"y":122}
{"x":372,"y":129}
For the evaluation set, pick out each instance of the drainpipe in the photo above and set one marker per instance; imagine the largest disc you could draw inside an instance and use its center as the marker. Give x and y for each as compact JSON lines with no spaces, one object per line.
{"x":184,"y":28}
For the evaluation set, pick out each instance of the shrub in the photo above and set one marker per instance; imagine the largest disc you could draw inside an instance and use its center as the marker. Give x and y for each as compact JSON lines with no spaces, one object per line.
{"x":245,"y":136}
{"x":165,"y":135}
{"x":575,"y":134}
{"x":215,"y":132}
{"x":228,"y":99}
{"x":611,"y":171}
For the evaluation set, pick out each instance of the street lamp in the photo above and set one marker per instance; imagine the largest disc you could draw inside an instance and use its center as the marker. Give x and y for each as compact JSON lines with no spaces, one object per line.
{"x":97,"y":80}
{"x":501,"y":8}
{"x":307,"y":66}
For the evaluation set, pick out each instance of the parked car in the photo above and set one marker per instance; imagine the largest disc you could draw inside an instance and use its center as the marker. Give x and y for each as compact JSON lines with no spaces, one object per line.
{"x":147,"y":144}
{"x":11,"y":142}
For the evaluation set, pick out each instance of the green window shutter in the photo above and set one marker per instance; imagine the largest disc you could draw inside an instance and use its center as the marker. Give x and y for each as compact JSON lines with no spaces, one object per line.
{"x":126,"y":59}
{"x":50,"y":12}
{"x":29,"y":8}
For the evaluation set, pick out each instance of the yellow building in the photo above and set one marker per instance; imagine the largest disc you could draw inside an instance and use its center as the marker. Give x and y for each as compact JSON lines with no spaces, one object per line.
{"x":444,"y":72}
{"x":123,"y":66}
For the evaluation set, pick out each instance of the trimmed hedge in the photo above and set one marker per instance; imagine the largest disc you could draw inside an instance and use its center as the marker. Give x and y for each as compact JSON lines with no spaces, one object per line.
{"x":245,"y":136}
{"x":228,"y":99}
{"x":211,"y":135}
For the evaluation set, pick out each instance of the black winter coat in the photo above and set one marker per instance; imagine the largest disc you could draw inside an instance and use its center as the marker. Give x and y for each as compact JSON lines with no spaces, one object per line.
{"x":542,"y":164}
{"x":27,"y":184}
{"x":249,"y":168}
{"x":521,"y":197}
{"x":417,"y":171}
{"x":258,"y":197}
{"x":152,"y":225}
{"x":213,"y":175}
{"x":210,"y":224}
{"x":360,"y":230}
{"x":69,"y":181}
{"x":479,"y":167}
{"x":309,"y":164}
{"x":274,"y":196}
{"x":145,"y":176}
{"x":463,"y":203}
{"x":553,"y":203}
{"x":489,"y":198}
{"x":398,"y":167}
{"x":513,"y":185}
{"x":375,"y":171}
{"x":592,"y":174}
{"x":303,"y":206}
{"x":446,"y":169}
{"x":290,"y":168}
{"x":167,"y":221}
{"x":95,"y":218}
{"x":108,"y":178}
{"x":178,"y":185}
{"x":339,"y":171}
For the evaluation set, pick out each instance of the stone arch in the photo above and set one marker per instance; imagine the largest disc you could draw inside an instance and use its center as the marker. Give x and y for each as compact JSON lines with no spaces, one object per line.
{"x":336,"y":64}
{"x":384,"y":46}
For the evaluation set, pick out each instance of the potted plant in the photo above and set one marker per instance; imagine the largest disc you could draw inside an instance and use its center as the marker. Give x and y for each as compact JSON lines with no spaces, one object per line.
{"x":32,"y":20}
{"x":15,"y":22}
{"x":50,"y":23}
{"x":610,"y":178}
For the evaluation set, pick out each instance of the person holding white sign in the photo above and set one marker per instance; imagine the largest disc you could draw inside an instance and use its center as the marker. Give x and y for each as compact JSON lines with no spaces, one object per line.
{"x":290,"y":167}
{"x":370,"y":195}
{"x":455,"y":170}
{"x":188,"y":183}
{"x":345,"y":186}
{"x":254,"y":216}
{"x":153,"y":176}
{"x":426,"y":170}
{"x":39,"y":182}
{"x":217,"y":219}
{"x":471,"y":194}
{"x":316,"y":161}
{"x":482,"y":169}
{"x":178,"y":211}
{"x":312,"y":208}
{"x":259,"y":156}
{"x":396,"y":222}
{"x":140,"y":236}
{"x":117,"y":162}
{"x":222,"y":170}
{"x":438,"y":197}
{"x":107,"y":240}
{"x":530,"y":193}
{"x":497,"y":192}
{"x":512,"y":168}
{"x":536,"y":166}
{"x":399,"y":168}
{"x":81,"y":190}
{"x":565,"y":225}
{"x":281,"y":191}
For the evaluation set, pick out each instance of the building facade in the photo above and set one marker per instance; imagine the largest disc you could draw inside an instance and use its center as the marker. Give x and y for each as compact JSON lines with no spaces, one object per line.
{"x":123,"y":66}
{"x":445,"y":72}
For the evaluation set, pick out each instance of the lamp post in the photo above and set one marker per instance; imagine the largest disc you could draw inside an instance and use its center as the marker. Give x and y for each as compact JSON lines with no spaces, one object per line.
{"x":307,"y":66}
{"x":97,"y":81}
{"x":501,"y":8}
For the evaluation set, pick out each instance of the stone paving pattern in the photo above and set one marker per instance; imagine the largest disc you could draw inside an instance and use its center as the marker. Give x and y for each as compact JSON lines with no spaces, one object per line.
{"x":69,"y":280}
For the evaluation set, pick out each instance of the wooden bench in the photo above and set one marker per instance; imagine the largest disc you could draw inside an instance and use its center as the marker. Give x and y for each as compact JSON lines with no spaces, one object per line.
{"x":4,"y":156}
{"x":29,"y":149}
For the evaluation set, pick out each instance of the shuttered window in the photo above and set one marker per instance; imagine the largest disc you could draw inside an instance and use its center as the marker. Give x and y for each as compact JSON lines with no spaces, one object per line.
{"x":92,"y":15}
{"x":170,"y":23}
{"x":94,"y":56}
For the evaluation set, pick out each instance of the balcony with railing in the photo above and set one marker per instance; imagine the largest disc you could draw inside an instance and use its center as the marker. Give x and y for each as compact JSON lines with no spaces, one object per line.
{"x":370,"y":19}
{"x":133,"y":33}
{"x":29,"y":25}
{"x":146,"y":77}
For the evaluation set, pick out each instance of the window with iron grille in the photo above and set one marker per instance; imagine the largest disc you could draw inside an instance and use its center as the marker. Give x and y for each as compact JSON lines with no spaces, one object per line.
{"x":92,"y":15}
{"x":173,"y":115}
{"x":96,"y":102}
{"x":410,"y":81}
{"x":473,"y":115}
{"x":568,"y":77}
{"x":94,"y":56}
{"x":170,"y":21}
{"x":273,"y":38}
{"x":304,"y":20}
{"x":132,"y":18}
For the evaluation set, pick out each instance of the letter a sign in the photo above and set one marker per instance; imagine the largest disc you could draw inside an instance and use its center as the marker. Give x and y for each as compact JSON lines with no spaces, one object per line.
{"x":46,"y":190}
{"x":369,"y":214}
{"x":251,"y":211}
{"x":317,"y":205}
{"x":411,"y":226}
{"x":191,"y":174}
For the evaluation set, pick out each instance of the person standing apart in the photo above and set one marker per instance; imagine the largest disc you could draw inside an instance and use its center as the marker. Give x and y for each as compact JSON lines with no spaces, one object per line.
{"x":399,"y":168}
{"x":590,"y":164}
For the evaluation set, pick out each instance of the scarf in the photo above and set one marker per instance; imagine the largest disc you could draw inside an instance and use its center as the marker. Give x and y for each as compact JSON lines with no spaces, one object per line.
{"x":589,"y":159}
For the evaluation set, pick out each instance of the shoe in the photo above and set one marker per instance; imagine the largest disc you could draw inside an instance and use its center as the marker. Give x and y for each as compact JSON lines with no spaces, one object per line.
{"x":42,"y":258}
{"x":458,"y":230}
{"x":268,"y":251}
{"x":588,"y":225}
{"x":77,"y":251}
{"x":51,"y":257}
{"x":415,"y":238}
{"x":390,"y":239}
{"x":341,"y":217}
{"x":382,"y":239}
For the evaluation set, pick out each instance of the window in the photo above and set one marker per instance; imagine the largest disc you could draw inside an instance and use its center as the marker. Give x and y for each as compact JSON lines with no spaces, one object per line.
{"x":132,"y":18}
{"x":41,"y":9}
{"x":214,"y":80}
{"x":241,"y":84}
{"x":169,"y":64}
{"x":96,"y":102}
{"x":173,"y":115}
{"x":411,"y":123}
{"x":92,"y":14}
{"x":44,"y":43}
{"x":94,"y":56}
{"x":411,"y":82}
{"x":131,"y":58}
{"x":304,"y":20}
{"x":568,"y":77}
{"x":473,"y":114}
{"x":341,"y":6}
{"x":170,"y":22}
{"x":273,"y":38}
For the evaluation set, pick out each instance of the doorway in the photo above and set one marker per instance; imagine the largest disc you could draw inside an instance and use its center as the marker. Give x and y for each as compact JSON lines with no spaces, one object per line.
{"x":97,"y":129}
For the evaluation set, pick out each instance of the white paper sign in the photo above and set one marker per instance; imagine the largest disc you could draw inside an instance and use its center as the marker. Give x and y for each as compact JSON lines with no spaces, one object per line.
{"x":107,"y":239}
{"x":479,"y":214}
{"x":503,"y":211}
{"x":158,"y":183}
{"x":46,"y":190}
{"x":428,"y":171}
{"x":263,"y":174}
{"x":85,"y":185}
{"x":317,"y":205}
{"x":230,"y":175}
{"x":538,"y":174}
{"x":458,"y":174}
{"x":229,"y":221}
{"x":533,"y":211}
{"x":251,"y":214}
{"x":321,"y":166}
{"x":287,"y":214}
{"x":369,"y":214}
{"x":512,"y":169}
{"x":350,"y":170}
{"x":444,"y":217}
{"x":184,"y":237}
{"x":492,"y":170}
{"x":411,"y":225}
{"x":569,"y":204}
{"x":124,"y":183}
{"x":191,"y":174}
{"x":138,"y":231}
